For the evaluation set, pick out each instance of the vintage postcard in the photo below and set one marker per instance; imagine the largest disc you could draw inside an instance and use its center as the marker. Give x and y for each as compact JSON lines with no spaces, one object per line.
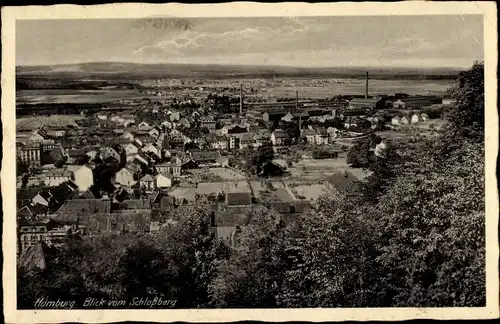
{"x":246,"y":161}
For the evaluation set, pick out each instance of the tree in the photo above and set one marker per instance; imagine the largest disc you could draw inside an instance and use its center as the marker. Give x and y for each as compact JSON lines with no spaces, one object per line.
{"x":21,"y":167}
{"x":467,"y":116}
{"x":258,"y":259}
{"x":257,"y":160}
{"x":359,"y":155}
{"x":332,"y":258}
{"x":82,"y":159}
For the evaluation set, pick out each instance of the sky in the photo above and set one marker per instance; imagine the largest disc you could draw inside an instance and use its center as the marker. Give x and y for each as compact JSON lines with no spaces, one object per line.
{"x":338,"y":41}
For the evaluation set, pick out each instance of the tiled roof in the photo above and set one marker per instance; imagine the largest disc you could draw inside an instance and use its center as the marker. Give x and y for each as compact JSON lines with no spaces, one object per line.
{"x":63,"y":172}
{"x":239,"y":198}
{"x":233,"y":216}
{"x":167,"y":175}
{"x":281,"y":134}
{"x":147,"y":178}
{"x":344,"y":182}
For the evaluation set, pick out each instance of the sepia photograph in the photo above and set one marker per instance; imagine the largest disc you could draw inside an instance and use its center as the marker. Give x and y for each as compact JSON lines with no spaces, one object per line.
{"x":249,"y":162}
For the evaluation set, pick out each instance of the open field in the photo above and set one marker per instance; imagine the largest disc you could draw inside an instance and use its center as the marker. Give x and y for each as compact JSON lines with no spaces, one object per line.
{"x":354,"y":87}
{"x":53,"y":121}
{"x":316,"y":170}
{"x":227,"y":174}
{"x":357,"y":87}
{"x":311,"y":192}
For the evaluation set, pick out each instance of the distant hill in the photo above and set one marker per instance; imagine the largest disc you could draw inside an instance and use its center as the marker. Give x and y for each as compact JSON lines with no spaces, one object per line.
{"x":135,"y":70}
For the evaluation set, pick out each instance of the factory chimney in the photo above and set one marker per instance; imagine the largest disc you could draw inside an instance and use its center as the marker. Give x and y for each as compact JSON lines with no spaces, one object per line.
{"x":241,"y":99}
{"x":366,"y":86}
{"x":297,"y":111}
{"x":296,"y":100}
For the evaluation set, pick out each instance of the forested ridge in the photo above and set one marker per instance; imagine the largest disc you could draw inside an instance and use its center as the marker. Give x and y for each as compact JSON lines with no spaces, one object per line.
{"x":415,"y":238}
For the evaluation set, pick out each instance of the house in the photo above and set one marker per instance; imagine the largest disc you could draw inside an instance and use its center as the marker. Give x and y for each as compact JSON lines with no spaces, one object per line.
{"x":322,"y":137}
{"x":416,"y":102}
{"x":111,"y":152}
{"x":261,"y":137}
{"x":31,"y":153}
{"x":82,"y":176}
{"x":174,"y":116}
{"x":310,"y":136}
{"x":52,"y":156}
{"x":152,"y":148}
{"x":396,"y":120}
{"x":48,"y":231}
{"x":274,"y":115}
{"x":404,"y":120}
{"x":415,"y":118}
{"x":126,"y":177}
{"x":238,"y":194}
{"x":173,"y":167}
{"x":39,"y":135}
{"x":343,"y":184}
{"x":144,"y":126}
{"x":42,"y":198}
{"x":208,"y":122}
{"x":74,"y":155}
{"x":288,"y":117}
{"x":128,"y":135}
{"x":246,"y":140}
{"x":92,"y":154}
{"x":368,"y":103}
{"x":131,"y":149}
{"x":147,"y":182}
{"x":205,"y":157}
{"x":189,"y":164}
{"x":184,"y":121}
{"x":424,"y":116}
{"x":164,"y":180}
{"x":167,"y":124}
{"x":104,"y":123}
{"x":142,"y":158}
{"x":155,"y":132}
{"x":55,"y":177}
{"x":102,"y":116}
{"x":280,"y":137}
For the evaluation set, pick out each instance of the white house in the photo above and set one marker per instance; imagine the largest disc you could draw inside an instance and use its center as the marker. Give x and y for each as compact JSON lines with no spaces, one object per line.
{"x":424,"y":116}
{"x":167,"y":124}
{"x":152,"y":148}
{"x":128,"y":135}
{"x":147,"y":182}
{"x":55,"y":177}
{"x":310,"y":136}
{"x":415,"y":118}
{"x":404,"y":120}
{"x":395,"y":120}
{"x":288,"y":117}
{"x":82,"y":176}
{"x":144,"y":126}
{"x":131,"y":149}
{"x":126,"y":177}
{"x":164,"y":180}
{"x":154,"y":132}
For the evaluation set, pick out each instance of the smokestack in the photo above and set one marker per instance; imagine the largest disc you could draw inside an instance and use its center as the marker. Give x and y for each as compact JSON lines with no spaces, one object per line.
{"x":296,"y":100}
{"x":297,"y":110}
{"x":241,"y":99}
{"x":366,"y":86}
